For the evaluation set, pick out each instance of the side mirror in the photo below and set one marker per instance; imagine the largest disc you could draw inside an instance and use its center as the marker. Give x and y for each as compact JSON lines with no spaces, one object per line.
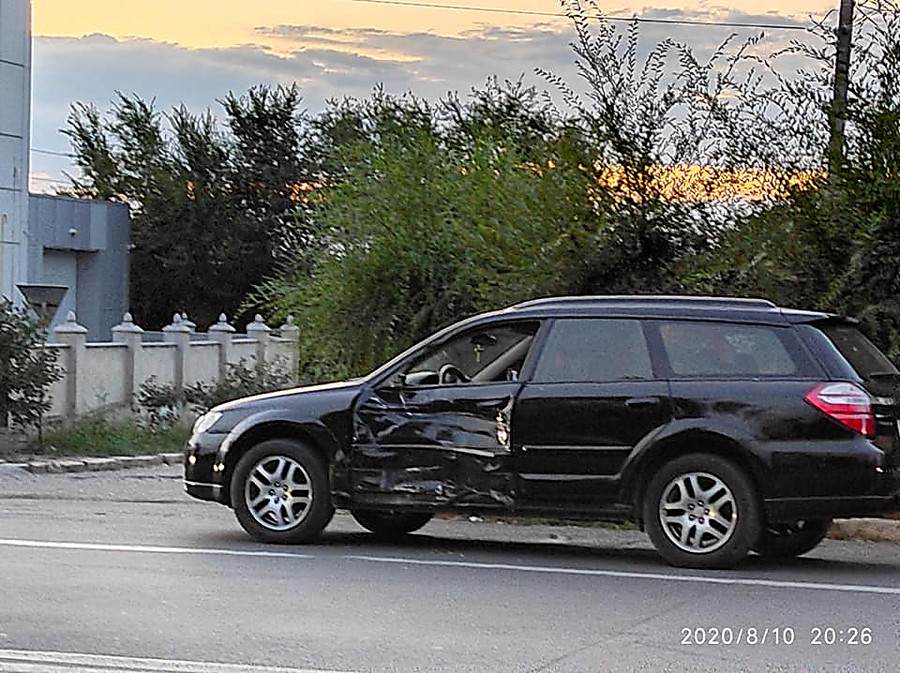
{"x":399,"y":380}
{"x":483,"y":339}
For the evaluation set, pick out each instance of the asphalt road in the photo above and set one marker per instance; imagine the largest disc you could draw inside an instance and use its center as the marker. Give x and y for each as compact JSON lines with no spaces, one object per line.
{"x":120,"y":571}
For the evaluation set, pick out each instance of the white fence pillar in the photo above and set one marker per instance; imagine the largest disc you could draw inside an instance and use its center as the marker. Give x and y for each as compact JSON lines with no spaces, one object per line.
{"x":259,"y":331}
{"x":131,"y":335}
{"x":291,"y":332}
{"x":179,"y":334}
{"x":223,"y":333}
{"x":73,"y":335}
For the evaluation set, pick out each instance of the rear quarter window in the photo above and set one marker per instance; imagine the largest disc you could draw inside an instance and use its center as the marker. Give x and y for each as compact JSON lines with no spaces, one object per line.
{"x":731,"y":350}
{"x":862,"y":354}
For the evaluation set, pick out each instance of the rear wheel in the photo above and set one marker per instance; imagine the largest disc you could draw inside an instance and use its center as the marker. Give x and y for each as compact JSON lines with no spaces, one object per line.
{"x":280,"y":492}
{"x":389,"y":523}
{"x":786,"y":540}
{"x":702,"y":511}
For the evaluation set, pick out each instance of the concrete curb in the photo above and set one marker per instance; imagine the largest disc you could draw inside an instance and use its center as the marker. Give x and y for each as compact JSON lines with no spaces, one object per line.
{"x":92,"y":464}
{"x":871,"y":529}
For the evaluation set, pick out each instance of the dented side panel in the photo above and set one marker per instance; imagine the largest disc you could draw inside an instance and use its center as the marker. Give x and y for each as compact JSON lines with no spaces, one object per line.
{"x":433,"y":446}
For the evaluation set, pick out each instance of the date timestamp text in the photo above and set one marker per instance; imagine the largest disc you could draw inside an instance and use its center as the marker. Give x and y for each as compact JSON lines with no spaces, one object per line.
{"x":777,"y":635}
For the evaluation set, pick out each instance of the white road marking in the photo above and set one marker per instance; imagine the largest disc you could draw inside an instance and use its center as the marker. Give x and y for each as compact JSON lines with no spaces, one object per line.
{"x":700,"y":579}
{"x":144,"y":549}
{"x":558,"y":570}
{"x":31,"y":661}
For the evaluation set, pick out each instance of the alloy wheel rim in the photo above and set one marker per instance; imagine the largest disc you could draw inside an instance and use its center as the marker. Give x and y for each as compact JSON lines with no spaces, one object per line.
{"x":278,"y":493}
{"x":698,"y":512}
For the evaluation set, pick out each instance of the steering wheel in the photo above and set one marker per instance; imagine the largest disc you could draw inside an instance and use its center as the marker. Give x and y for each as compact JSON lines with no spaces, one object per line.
{"x":450,"y":373}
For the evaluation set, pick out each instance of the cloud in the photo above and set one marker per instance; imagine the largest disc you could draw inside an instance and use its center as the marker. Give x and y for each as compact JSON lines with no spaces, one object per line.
{"x":326,"y":63}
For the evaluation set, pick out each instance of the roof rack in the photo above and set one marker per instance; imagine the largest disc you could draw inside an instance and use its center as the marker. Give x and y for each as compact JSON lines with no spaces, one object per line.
{"x":594,"y":300}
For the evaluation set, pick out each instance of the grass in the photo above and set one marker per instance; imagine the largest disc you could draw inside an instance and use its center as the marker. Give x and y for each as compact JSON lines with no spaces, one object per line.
{"x":114,"y":437}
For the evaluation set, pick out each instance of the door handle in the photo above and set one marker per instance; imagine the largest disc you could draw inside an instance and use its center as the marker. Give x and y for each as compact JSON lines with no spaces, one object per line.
{"x":636,"y":402}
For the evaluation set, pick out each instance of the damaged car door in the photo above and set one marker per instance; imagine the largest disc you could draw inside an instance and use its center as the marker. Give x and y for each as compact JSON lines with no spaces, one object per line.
{"x":436,"y":432}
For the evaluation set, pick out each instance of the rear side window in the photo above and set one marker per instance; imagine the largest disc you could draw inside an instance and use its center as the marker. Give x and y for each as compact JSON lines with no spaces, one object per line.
{"x":862,"y":354}
{"x":585,"y":350}
{"x":726,"y":349}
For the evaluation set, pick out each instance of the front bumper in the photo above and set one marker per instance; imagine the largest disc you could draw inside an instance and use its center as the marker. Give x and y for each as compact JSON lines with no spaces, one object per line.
{"x":201,"y":481}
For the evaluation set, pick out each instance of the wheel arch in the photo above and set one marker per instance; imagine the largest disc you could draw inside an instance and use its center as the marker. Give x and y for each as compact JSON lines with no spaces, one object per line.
{"x":642,"y":469}
{"x":231,"y":452}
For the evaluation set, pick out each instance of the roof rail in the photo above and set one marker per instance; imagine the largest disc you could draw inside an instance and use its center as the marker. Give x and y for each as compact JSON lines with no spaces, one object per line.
{"x":732,"y":302}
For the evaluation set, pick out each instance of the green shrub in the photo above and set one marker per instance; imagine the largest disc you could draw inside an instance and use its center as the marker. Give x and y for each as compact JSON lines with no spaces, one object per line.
{"x":27,"y":369}
{"x":163,"y":405}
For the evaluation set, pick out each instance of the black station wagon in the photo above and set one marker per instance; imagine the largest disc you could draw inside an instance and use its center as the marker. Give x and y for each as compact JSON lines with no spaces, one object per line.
{"x":719,"y":425}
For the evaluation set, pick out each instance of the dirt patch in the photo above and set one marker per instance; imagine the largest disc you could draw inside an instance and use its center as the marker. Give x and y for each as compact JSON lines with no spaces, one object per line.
{"x":871,"y":530}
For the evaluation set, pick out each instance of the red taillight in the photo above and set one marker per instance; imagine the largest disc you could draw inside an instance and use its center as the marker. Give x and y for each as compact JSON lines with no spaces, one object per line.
{"x":846,"y":403}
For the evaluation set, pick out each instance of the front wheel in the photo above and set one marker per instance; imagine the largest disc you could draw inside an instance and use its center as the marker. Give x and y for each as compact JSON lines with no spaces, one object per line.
{"x":702,"y":511}
{"x":390,"y":524}
{"x":788,"y":540}
{"x":280,"y":492}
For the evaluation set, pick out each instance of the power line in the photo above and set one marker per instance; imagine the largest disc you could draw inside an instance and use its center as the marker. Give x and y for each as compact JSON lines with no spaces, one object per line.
{"x":52,"y":153}
{"x":529,"y":12}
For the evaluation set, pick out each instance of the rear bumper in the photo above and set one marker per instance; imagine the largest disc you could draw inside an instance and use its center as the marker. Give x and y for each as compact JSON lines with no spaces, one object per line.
{"x":791,"y":509}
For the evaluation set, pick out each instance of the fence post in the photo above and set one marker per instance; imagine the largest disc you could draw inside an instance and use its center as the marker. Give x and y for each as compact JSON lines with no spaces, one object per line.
{"x":187,"y":322}
{"x":73,"y":335}
{"x":291,"y":332}
{"x":260,"y":331}
{"x":126,"y":332}
{"x":179,"y":334}
{"x":223,"y":333}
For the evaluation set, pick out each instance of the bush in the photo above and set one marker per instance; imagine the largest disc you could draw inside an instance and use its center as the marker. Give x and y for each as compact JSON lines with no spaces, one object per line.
{"x":163,"y":404}
{"x":27,"y":369}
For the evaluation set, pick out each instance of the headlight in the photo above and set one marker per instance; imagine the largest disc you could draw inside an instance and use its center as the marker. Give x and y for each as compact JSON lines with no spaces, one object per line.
{"x":205,"y":422}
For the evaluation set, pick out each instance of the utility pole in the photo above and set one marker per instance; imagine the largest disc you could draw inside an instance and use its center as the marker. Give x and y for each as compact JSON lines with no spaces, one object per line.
{"x":841,"y":84}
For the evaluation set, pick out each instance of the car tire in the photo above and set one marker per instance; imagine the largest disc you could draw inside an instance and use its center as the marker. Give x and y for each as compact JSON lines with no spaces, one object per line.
{"x":390,"y":524}
{"x":280,"y":492}
{"x":789,"y":540}
{"x":702,"y":511}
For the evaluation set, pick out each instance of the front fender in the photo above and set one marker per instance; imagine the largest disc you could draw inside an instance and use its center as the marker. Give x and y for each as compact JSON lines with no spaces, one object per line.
{"x":268,"y":424}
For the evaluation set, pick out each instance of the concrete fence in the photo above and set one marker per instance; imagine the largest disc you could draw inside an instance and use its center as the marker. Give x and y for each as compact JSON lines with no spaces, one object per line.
{"x":102,"y":375}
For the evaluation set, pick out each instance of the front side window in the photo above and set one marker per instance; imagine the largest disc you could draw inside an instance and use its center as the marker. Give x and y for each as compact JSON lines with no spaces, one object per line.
{"x":594,"y":350}
{"x":725,"y":349}
{"x":483,"y":355}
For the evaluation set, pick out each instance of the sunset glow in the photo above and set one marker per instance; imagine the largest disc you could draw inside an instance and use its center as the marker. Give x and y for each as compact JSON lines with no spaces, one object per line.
{"x":226,"y":23}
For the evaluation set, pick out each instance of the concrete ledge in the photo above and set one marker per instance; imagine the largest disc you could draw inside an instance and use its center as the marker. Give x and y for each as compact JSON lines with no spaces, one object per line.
{"x":98,"y":464}
{"x":145,"y":461}
{"x":71,"y":465}
{"x":93,"y":464}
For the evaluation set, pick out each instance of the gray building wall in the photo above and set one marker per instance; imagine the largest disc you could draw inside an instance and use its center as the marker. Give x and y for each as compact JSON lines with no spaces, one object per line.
{"x":83,"y":245}
{"x":15,"y":122}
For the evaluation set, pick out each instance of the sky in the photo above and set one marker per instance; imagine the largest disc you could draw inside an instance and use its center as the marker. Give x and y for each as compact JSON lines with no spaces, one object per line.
{"x":195,"y":51}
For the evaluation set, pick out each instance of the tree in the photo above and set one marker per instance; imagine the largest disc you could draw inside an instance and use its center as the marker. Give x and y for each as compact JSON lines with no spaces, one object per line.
{"x":834,"y":243}
{"x":211,"y":209}
{"x":27,"y":369}
{"x":433,"y":213}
